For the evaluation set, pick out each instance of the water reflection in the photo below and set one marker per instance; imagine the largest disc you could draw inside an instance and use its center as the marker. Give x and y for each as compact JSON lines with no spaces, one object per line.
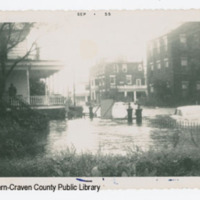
{"x":107,"y":136}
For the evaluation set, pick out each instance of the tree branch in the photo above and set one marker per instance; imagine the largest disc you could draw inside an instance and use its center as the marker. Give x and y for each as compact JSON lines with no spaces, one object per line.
{"x":21,"y":33}
{"x":2,"y":27}
{"x":20,"y":59}
{"x":16,"y":41}
{"x":11,"y":26}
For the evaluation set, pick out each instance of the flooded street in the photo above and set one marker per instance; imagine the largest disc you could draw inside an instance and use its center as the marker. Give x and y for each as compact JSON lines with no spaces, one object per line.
{"x":106,"y":136}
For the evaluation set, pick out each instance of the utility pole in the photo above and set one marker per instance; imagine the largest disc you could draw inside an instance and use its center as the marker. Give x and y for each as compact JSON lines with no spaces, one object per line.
{"x":74,"y":89}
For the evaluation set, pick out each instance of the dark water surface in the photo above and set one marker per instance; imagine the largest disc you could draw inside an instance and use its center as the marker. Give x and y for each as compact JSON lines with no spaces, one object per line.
{"x":107,"y":136}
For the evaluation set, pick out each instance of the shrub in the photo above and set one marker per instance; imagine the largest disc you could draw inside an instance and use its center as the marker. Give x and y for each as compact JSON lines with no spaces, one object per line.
{"x":153,"y":163}
{"x":21,"y":132}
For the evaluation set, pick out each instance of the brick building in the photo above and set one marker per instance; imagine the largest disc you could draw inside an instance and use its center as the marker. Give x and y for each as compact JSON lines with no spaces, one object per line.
{"x":124,"y":81}
{"x":173,"y":65}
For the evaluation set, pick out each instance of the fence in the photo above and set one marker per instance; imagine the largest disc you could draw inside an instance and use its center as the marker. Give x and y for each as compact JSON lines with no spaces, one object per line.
{"x":182,"y":124}
{"x":187,"y":128}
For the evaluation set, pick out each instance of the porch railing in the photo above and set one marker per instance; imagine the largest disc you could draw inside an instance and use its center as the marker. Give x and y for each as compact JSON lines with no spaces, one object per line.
{"x":37,"y":100}
{"x":47,"y":100}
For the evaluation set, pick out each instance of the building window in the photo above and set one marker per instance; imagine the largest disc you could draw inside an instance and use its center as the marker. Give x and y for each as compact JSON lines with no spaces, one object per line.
{"x":138,"y":82}
{"x":124,"y":68}
{"x":129,"y":79}
{"x":198,"y":85}
{"x":158,"y":64}
{"x":182,"y":38}
{"x":151,"y":88}
{"x":112,"y":80}
{"x":93,"y":97}
{"x":168,"y":84}
{"x":184,"y":61}
{"x":139,"y":67}
{"x":185,"y":85}
{"x":115,"y":68}
{"x":165,"y":41}
{"x":151,"y":66}
{"x":166,"y":61}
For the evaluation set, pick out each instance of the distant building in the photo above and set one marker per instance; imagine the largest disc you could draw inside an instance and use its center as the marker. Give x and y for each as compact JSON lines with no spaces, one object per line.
{"x":124,"y":81}
{"x":173,"y":65}
{"x":81,"y":94}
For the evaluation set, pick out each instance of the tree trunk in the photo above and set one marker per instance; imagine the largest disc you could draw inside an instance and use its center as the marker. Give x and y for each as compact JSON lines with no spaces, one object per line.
{"x":2,"y":87}
{"x":2,"y":92}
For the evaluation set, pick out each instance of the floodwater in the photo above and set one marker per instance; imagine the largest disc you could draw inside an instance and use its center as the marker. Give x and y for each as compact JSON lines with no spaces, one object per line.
{"x":105,"y":136}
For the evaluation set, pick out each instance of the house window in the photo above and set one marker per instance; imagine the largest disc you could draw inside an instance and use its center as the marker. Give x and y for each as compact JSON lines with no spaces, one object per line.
{"x":184,"y":61}
{"x":198,"y":85}
{"x":182,"y":38}
{"x":112,"y":80}
{"x":139,"y":67}
{"x":185,"y":85}
{"x":129,"y":79}
{"x":165,"y":41}
{"x":158,"y":64}
{"x":166,"y":62}
{"x":124,"y":68}
{"x":138,"y":82}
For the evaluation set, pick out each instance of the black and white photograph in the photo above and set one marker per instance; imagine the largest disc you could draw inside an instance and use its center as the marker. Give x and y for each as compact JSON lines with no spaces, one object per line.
{"x":100,"y":94}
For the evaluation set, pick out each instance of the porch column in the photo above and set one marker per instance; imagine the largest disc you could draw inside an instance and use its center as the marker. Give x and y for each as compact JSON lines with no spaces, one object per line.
{"x":28,"y":85}
{"x":46,"y":83}
{"x":134,"y":96}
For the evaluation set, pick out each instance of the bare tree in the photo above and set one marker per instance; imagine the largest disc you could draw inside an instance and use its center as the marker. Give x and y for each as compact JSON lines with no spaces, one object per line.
{"x":11,"y":35}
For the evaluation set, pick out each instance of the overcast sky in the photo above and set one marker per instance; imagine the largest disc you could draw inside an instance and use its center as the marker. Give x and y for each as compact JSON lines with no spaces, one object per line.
{"x":82,"y":41}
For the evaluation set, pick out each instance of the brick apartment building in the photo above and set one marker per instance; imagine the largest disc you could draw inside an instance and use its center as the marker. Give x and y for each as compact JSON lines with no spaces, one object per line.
{"x":173,"y":65}
{"x":124,"y":81}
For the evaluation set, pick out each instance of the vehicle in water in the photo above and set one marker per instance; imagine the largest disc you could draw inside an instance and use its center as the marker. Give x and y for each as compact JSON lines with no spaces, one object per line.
{"x":187,"y":114}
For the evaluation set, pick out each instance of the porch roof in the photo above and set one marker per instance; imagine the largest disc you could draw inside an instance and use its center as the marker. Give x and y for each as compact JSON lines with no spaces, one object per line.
{"x":38,"y":68}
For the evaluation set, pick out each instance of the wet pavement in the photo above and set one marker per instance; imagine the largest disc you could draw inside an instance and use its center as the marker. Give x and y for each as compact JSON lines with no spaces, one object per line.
{"x":106,"y":136}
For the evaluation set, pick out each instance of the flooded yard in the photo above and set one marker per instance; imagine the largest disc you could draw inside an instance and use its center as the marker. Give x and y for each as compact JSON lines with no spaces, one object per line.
{"x":107,"y":136}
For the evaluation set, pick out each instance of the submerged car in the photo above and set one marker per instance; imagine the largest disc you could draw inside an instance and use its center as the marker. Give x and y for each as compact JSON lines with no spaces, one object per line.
{"x":187,"y":113}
